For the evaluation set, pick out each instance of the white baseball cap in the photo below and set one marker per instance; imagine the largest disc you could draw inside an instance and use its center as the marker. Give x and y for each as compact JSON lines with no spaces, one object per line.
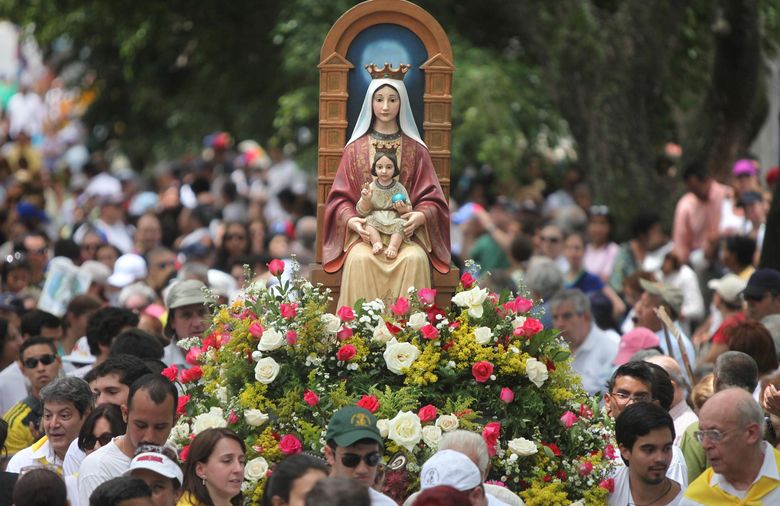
{"x":158,"y":463}
{"x":128,"y":268}
{"x":80,"y":353}
{"x":729,"y":287}
{"x":448,"y":467}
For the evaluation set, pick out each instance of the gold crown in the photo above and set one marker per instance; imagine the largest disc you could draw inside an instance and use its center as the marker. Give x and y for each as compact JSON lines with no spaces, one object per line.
{"x":388,"y":72}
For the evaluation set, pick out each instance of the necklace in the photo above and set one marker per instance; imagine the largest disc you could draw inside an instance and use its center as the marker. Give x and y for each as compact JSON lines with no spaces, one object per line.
{"x":384,"y":137}
{"x":666,"y":491}
{"x":385,"y":187}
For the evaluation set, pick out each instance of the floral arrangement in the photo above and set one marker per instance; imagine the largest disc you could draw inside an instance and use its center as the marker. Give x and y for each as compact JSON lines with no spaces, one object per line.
{"x":275,"y":366}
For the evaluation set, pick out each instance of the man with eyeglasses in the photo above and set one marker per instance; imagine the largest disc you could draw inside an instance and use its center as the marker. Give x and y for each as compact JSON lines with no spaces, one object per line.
{"x":744,"y":469}
{"x":40,"y":365}
{"x":354,"y":449}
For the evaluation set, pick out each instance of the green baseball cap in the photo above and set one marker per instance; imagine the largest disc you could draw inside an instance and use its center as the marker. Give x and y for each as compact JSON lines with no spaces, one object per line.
{"x":350,"y":424}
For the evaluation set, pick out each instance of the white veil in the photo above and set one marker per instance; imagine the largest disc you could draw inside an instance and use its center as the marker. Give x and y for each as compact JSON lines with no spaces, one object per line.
{"x":405,"y":116}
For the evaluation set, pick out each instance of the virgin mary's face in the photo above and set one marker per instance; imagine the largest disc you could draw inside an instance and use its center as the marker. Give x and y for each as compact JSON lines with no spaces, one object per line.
{"x":386,"y":105}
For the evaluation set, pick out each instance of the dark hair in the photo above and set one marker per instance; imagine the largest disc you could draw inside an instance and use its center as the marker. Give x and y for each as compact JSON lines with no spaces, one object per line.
{"x":601,"y":311}
{"x":286,"y":472}
{"x":112,"y":413}
{"x":4,"y":334}
{"x":40,"y":487}
{"x":638,"y":419}
{"x":127,"y":367}
{"x":104,"y":325}
{"x":69,"y":389}
{"x":3,"y":432}
{"x":82,"y":304}
{"x":753,"y":338}
{"x":735,"y":369}
{"x":200,"y":451}
{"x":742,"y":248}
{"x":33,"y":321}
{"x":13,"y":262}
{"x":391,"y":156}
{"x":223,"y":256}
{"x":638,"y":370}
{"x":158,"y":388}
{"x":662,"y":387}
{"x":338,"y":492}
{"x":34,"y":341}
{"x":521,"y":248}
{"x":67,"y":248}
{"x":116,"y":490}
{"x":695,"y":169}
{"x":643,"y":223}
{"x":443,"y":495}
{"x":138,"y":343}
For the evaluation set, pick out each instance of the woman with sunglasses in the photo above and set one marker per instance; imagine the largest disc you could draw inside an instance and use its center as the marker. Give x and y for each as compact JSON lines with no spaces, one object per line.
{"x":292,"y":479}
{"x":214,"y":470}
{"x":104,"y":424}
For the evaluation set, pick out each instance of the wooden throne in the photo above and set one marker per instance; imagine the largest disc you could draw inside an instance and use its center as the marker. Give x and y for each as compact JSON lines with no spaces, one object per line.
{"x":379,"y":31}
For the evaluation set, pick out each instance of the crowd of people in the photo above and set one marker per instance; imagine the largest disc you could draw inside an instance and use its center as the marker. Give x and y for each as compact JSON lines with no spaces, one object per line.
{"x":678,"y":333}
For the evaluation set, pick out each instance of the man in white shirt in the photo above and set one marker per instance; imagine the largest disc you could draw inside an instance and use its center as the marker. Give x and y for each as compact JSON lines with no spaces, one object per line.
{"x":148,"y":422}
{"x":593,"y":349}
{"x":681,"y":413}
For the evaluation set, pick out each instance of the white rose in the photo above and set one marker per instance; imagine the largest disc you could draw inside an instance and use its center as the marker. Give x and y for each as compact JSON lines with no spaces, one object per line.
{"x":447,"y":423}
{"x":522,"y":447}
{"x":382,"y":333}
{"x":400,"y":355}
{"x":331,"y":322}
{"x":405,"y":430}
{"x":255,"y":469}
{"x":536,"y":372}
{"x":271,"y":340}
{"x":518,"y":321}
{"x":213,"y":419}
{"x":383,"y":425}
{"x":431,"y":435}
{"x":266,"y":370}
{"x":472,"y":299}
{"x":255,"y":417}
{"x":418,"y":321}
{"x":179,"y":431}
{"x":483,"y":335}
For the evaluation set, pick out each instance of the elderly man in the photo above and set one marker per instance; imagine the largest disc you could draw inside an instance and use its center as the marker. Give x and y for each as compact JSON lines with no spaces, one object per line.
{"x":187,"y":317}
{"x":593,"y":349}
{"x":744,"y":468}
{"x":682,"y":415}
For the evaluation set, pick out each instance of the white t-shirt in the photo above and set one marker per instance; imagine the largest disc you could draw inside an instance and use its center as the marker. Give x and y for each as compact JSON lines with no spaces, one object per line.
{"x":622,"y":493}
{"x":380,"y":499}
{"x":102,"y":465}
{"x":73,"y":459}
{"x":678,"y":470}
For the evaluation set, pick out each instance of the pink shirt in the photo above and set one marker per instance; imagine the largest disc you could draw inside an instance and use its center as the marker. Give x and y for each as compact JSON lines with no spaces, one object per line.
{"x":696,"y":221}
{"x":599,"y":261}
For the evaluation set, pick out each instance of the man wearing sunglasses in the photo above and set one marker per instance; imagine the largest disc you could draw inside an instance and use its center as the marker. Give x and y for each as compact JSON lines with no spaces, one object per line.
{"x":354,"y":449}
{"x":40,"y":365}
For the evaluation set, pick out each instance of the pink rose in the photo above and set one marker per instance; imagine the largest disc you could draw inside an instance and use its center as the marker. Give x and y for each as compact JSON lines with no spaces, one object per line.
{"x":171,"y":372}
{"x":586,"y":468}
{"x":482,"y":371}
{"x":290,"y":445}
{"x":585,"y":411}
{"x":369,"y":402}
{"x":518,"y":305}
{"x":429,"y":332}
{"x":427,"y":295}
{"x":292,"y":337}
{"x":609,"y":452}
{"x":427,"y":413}
{"x":310,"y":398}
{"x":346,"y":314}
{"x":193,"y":356}
{"x":288,"y":311}
{"x":568,"y":419}
{"x":346,"y":353}
{"x":467,"y":280}
{"x":190,"y":375}
{"x":256,"y":330}
{"x":401,"y":306}
{"x":275,"y":267}
{"x":530,"y":327}
{"x":490,"y":434}
{"x":344,"y":333}
{"x":608,"y":485}
{"x":232,"y":418}
{"x":506,"y":395}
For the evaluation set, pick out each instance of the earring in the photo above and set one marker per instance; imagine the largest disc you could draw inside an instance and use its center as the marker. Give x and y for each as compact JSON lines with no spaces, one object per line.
{"x":204,"y":481}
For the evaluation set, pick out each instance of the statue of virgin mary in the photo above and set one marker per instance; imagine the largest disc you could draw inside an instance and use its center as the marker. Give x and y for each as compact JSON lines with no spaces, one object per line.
{"x":385,"y":122}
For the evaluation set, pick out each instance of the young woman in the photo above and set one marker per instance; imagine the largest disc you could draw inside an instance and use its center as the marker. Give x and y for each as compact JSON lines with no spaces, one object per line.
{"x":214,"y":470}
{"x":292,"y":479}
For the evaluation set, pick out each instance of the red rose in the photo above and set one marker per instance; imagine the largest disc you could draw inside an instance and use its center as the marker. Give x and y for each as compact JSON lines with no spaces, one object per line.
{"x":609,"y":452}
{"x":433,"y":312}
{"x":346,"y":353}
{"x":190,"y":375}
{"x":518,"y":305}
{"x":467,"y":280}
{"x":561,"y":474}
{"x":232,"y":418}
{"x":568,"y":419}
{"x":490,"y":434}
{"x":608,"y":485}
{"x":401,"y":306}
{"x":553,"y":448}
{"x":585,"y":411}
{"x":482,"y":371}
{"x":345,"y":313}
{"x":290,"y":445}
{"x":184,"y":453}
{"x":427,"y":413}
{"x":427,"y":296}
{"x":507,"y":395}
{"x":532,"y":326}
{"x":193,"y":356}
{"x":310,"y":398}
{"x":181,"y":406}
{"x":493,"y":297}
{"x":288,"y":310}
{"x":369,"y":402}
{"x":171,"y":372}
{"x":429,"y":332}
{"x":393,"y":329}
{"x":275,"y":267}
{"x":292,"y":337}
{"x":344,"y":334}
{"x":586,"y":468}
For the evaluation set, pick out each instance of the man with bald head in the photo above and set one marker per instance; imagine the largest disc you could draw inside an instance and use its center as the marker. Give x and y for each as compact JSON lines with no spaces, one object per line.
{"x":681,"y":413}
{"x":744,"y":468}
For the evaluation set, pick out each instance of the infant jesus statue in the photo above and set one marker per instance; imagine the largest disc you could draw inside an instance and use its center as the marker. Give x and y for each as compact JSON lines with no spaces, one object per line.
{"x":382,"y":202}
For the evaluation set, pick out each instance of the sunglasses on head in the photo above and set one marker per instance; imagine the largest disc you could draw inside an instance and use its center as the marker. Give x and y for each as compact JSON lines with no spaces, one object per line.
{"x":103,"y":439}
{"x":32,"y":362}
{"x":353,"y":460}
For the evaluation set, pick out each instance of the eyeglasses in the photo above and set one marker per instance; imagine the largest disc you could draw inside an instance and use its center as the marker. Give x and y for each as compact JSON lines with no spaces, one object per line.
{"x":353,"y":460}
{"x":713,"y":435}
{"x":599,"y":210}
{"x":32,"y":362}
{"x":623,"y":397}
{"x":103,"y":439}
{"x":550,"y":238}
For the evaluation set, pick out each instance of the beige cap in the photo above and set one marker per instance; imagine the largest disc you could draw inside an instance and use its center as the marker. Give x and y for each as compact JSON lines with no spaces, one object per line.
{"x":729,"y":287}
{"x":671,"y":295}
{"x":186,"y":293}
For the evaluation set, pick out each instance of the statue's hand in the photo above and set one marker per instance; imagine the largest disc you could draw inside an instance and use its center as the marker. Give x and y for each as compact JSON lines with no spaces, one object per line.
{"x":356,"y":225}
{"x":402,"y":207}
{"x":366,"y":192}
{"x":414,"y":220}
